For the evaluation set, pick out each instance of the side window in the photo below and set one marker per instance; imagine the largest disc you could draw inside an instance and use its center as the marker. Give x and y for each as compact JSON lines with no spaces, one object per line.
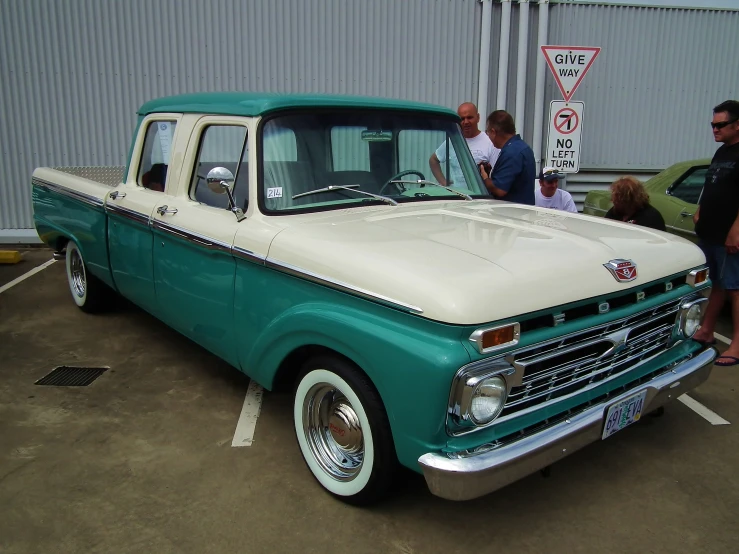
{"x":690,"y":187}
{"x":155,"y":156}
{"x":222,"y":146}
{"x":348,"y":151}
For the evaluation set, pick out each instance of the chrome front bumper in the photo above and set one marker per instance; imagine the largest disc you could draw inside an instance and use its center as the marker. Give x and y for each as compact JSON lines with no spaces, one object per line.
{"x":480,"y":474}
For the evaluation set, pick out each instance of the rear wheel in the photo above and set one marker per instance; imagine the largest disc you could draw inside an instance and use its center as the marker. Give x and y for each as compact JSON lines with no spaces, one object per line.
{"x":88,"y":292}
{"x":343,"y":431}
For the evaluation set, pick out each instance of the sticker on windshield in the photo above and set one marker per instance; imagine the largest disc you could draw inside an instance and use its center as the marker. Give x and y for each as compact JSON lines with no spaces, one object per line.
{"x":275,"y":192}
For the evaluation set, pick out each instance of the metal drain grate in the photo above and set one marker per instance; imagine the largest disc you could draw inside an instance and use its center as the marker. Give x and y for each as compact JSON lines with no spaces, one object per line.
{"x":70,"y":376}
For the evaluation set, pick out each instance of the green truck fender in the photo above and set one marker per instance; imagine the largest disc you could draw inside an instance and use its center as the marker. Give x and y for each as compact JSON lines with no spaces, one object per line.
{"x":411,"y":362}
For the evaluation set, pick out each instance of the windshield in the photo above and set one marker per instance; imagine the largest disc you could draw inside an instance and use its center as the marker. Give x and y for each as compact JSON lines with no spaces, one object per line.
{"x":324,"y":160}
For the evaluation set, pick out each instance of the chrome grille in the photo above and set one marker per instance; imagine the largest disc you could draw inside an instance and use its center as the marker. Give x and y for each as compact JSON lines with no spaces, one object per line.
{"x":568,"y":364}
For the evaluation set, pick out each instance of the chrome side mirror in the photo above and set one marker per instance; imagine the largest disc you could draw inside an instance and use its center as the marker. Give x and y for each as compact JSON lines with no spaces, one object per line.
{"x":220,"y":180}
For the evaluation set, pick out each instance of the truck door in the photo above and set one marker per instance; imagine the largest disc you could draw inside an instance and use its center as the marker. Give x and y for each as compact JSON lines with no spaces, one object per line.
{"x":194,"y":269}
{"x":129,"y":209}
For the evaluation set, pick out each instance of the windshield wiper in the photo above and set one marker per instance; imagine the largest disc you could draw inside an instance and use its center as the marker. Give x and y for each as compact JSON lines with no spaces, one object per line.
{"x":424,"y":182}
{"x":349,"y":188}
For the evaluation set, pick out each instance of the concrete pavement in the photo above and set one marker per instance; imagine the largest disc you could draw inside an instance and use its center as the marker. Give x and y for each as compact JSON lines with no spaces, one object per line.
{"x":141,"y":460}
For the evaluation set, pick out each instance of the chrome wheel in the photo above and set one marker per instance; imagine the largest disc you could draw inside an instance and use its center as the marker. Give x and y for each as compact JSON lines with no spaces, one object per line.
{"x":77,"y":274}
{"x":333,"y":432}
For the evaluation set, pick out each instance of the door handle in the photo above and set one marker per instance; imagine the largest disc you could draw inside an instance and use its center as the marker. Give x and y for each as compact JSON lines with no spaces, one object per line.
{"x":686,"y":214}
{"x":115,"y":194}
{"x":161,"y":210}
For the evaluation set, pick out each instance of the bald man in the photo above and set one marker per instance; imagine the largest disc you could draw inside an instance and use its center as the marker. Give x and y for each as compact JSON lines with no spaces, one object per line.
{"x":480,"y":146}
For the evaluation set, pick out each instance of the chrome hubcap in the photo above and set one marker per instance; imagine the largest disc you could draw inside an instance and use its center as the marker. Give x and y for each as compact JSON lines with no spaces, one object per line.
{"x":77,"y":270}
{"x":333,"y":432}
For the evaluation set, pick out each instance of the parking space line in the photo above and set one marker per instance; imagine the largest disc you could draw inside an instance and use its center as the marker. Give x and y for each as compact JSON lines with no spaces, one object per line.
{"x":722,"y":338}
{"x":244,"y":435}
{"x":26,"y":275}
{"x":712,"y":417}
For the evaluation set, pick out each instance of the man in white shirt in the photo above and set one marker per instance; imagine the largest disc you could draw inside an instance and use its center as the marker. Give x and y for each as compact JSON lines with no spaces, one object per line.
{"x":549,"y":195}
{"x":480,"y":146}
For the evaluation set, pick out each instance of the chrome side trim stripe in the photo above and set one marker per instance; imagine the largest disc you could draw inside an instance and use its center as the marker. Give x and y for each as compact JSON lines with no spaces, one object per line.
{"x":200,"y":240}
{"x":247,"y":255}
{"x":80,"y":196}
{"x":343,"y":287}
{"x":133,"y":215}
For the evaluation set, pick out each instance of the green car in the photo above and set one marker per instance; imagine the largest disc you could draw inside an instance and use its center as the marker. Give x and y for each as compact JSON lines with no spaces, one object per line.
{"x":675,"y":192}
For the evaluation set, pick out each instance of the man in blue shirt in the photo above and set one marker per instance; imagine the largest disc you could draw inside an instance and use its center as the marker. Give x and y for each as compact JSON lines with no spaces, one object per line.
{"x":513,"y":175}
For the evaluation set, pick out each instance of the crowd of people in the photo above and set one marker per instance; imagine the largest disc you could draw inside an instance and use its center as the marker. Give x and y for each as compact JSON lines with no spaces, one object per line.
{"x":508,"y":169}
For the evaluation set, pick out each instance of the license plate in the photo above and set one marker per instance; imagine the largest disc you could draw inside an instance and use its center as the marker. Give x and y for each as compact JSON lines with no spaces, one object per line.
{"x":624,"y":413}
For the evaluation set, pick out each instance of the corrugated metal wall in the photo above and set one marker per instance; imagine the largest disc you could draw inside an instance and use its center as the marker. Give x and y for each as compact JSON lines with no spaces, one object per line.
{"x":73,"y":73}
{"x":648,"y":96}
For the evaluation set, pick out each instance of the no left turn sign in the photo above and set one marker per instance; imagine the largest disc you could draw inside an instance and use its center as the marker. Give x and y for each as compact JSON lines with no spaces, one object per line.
{"x":565,"y":130}
{"x":566,"y":121}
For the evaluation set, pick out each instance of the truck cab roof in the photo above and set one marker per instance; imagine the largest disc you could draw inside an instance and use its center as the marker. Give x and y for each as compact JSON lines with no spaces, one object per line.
{"x":253,"y":104}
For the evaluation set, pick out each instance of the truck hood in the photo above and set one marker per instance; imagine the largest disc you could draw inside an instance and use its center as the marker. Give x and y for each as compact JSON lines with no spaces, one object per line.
{"x":465,"y":262}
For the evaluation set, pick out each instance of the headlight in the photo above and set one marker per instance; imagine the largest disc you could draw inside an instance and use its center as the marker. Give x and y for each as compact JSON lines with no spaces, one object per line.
{"x":488,"y":398}
{"x":691,"y":314}
{"x":478,"y":394}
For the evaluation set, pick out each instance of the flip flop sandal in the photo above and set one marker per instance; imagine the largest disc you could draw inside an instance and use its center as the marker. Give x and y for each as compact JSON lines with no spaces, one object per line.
{"x":735,"y":361}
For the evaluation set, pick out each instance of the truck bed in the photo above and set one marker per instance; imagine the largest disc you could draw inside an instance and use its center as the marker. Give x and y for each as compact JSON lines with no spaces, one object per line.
{"x":69,"y":204}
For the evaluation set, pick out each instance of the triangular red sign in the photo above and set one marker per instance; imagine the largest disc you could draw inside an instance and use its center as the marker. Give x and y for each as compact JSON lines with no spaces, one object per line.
{"x":569,"y":64}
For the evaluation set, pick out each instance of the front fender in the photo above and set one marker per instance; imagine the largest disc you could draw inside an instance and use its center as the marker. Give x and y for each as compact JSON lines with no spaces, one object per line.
{"x":410,"y":360}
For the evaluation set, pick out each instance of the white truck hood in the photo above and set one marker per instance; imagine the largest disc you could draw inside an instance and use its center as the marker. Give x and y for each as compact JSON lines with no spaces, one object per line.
{"x":474,"y":262}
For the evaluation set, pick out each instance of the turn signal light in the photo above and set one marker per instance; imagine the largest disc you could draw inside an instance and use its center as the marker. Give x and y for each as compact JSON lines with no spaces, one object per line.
{"x":497,"y":337}
{"x":697,"y":277}
{"x":494,"y":338}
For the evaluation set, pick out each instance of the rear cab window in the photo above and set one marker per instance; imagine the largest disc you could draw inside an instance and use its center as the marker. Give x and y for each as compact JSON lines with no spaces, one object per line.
{"x":155,"y":155}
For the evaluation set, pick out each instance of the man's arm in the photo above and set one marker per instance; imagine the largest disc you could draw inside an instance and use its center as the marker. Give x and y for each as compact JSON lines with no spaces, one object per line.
{"x":732,"y":239}
{"x":490,"y":185}
{"x":505,"y":171}
{"x":435,"y":166}
{"x":696,"y":216}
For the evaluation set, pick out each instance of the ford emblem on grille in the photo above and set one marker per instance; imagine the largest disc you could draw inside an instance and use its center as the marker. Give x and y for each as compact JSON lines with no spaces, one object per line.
{"x":622,"y":270}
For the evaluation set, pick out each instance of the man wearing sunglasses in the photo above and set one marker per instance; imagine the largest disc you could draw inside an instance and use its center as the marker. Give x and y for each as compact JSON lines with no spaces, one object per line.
{"x":550,"y":195}
{"x":717,"y":225}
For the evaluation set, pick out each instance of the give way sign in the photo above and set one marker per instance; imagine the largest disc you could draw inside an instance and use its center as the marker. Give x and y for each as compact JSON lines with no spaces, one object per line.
{"x":569,"y":64}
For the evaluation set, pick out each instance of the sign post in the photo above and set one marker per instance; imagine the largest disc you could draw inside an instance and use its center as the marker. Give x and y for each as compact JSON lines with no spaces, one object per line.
{"x":565,"y":131}
{"x":569,"y":64}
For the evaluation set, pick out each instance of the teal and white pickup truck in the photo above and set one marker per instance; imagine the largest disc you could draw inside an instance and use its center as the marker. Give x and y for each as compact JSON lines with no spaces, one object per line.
{"x":304,"y":240}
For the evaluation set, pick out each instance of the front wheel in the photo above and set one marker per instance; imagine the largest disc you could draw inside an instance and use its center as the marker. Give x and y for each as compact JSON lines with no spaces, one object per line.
{"x":343,"y":431}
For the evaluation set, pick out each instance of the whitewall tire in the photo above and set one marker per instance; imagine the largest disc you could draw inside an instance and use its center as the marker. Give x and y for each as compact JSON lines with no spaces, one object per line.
{"x":342,"y":431}
{"x":89,"y":293}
